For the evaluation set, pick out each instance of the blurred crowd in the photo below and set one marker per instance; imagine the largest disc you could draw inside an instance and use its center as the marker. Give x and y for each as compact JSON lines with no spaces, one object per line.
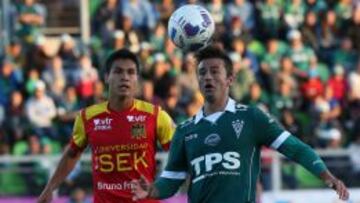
{"x":296,"y":59}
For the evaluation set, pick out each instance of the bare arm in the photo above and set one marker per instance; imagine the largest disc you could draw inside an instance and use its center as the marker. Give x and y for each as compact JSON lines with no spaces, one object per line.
{"x":143,"y":189}
{"x":66,"y":164}
{"x":335,"y":184}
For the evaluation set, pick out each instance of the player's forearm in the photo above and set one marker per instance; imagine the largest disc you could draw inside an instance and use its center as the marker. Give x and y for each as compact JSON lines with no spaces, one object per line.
{"x":66,"y":164}
{"x":303,"y":154}
{"x":328,"y":178}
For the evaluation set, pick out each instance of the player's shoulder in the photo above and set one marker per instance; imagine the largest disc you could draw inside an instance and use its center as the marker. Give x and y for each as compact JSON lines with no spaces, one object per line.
{"x":187,"y":123}
{"x":94,"y":110}
{"x":145,"y":106}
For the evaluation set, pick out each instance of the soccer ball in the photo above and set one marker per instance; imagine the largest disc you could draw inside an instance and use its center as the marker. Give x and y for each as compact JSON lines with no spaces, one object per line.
{"x":191,"y":27}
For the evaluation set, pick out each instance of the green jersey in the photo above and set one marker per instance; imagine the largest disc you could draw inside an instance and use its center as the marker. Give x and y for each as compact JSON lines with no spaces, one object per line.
{"x":220,"y":153}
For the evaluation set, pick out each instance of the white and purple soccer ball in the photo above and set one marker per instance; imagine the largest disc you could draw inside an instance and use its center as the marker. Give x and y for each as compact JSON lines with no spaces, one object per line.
{"x":191,"y":27}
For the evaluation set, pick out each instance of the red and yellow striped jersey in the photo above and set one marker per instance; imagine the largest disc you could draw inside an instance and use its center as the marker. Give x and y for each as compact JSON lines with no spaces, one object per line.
{"x":123,"y":145}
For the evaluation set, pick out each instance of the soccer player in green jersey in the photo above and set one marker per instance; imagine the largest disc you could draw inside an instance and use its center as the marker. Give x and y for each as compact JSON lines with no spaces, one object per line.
{"x":219,"y":148}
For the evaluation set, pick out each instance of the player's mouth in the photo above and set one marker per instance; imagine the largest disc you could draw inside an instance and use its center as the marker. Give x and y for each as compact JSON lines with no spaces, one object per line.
{"x":209,"y":87}
{"x":124,"y":87}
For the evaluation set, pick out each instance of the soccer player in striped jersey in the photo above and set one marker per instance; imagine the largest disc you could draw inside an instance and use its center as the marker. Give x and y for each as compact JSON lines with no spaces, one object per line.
{"x":219,"y":148}
{"x":122,"y":134}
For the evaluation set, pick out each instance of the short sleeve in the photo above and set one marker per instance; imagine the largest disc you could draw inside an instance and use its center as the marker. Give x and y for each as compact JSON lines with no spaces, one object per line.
{"x":165,"y":128}
{"x":268,"y":131}
{"x":79,"y":138}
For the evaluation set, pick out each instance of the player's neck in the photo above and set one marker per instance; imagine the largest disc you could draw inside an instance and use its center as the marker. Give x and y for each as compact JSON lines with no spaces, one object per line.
{"x":211,"y":107}
{"x":120,"y":103}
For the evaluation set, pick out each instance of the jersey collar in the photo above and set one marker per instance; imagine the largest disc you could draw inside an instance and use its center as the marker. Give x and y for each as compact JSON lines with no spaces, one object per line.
{"x":230,"y":107}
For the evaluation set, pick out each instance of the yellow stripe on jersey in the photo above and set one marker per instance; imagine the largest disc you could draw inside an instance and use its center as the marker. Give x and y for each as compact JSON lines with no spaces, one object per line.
{"x":144,"y":106}
{"x":165,"y":127}
{"x":95,"y":110}
{"x":79,"y":134}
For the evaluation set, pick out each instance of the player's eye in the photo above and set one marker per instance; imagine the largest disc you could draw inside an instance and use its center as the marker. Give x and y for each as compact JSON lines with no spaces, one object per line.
{"x":202,"y":72}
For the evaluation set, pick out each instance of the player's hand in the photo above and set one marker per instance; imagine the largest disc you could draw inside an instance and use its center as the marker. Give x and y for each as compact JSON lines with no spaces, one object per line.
{"x":140,"y":188}
{"x":340,"y":188}
{"x":45,"y":197}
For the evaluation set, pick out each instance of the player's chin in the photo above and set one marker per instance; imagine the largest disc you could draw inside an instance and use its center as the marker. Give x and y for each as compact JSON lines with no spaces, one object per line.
{"x":124,"y":94}
{"x":209,"y":97}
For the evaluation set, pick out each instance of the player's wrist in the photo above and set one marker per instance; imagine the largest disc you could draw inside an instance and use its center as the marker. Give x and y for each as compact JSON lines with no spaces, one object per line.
{"x":153,"y":192}
{"x":329,"y":179}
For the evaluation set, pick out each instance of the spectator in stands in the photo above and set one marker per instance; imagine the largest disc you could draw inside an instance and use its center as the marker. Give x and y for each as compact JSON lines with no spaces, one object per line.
{"x":37,"y":55}
{"x":354,"y":94}
{"x":147,"y":92}
{"x":31,"y":18}
{"x":100,"y":93}
{"x":353,"y":28}
{"x":299,"y":53}
{"x":244,"y":77}
{"x":16,"y":123}
{"x":345,"y":55}
{"x":328,"y":36}
{"x":247,"y":57}
{"x":270,"y":65}
{"x":289,"y":121}
{"x":106,"y":20}
{"x":8,"y":82}
{"x":343,"y":10}
{"x":294,"y":13}
{"x":326,"y":119}
{"x":338,"y":84}
{"x":41,"y":110}
{"x":316,"y":6}
{"x":33,"y":76}
{"x":311,"y":89}
{"x":310,"y":30}
{"x":257,"y":97}
{"x":165,"y":9}
{"x":236,"y":30}
{"x":287,"y":74}
{"x":55,"y":78}
{"x":354,"y":84}
{"x":85,"y":77}
{"x":68,"y":52}
{"x":269,"y":19}
{"x":243,"y":10}
{"x":145,"y":58}
{"x":158,"y":37}
{"x":187,"y":78}
{"x":67,"y":110}
{"x":16,"y":55}
{"x":282,"y":99}
{"x":171,"y":105}
{"x":141,"y":13}
{"x":217,"y":10}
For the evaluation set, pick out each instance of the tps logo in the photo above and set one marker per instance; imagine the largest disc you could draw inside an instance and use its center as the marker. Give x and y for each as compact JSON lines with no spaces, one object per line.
{"x":102,"y":124}
{"x":138,"y":118}
{"x":228,"y":160}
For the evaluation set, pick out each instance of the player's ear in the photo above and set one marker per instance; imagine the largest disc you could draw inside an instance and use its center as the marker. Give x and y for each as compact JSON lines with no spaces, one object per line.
{"x":106,"y":78}
{"x":230,"y":79}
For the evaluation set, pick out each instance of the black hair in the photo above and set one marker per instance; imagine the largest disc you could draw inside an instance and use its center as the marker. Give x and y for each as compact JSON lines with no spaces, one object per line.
{"x":121,"y":54}
{"x":215,"y":52}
